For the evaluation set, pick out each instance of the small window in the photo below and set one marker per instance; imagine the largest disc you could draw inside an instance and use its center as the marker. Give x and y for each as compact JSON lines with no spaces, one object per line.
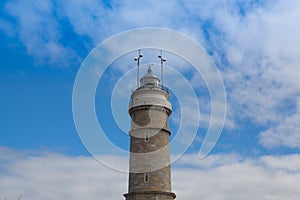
{"x":133,"y":116}
{"x":146,"y":137}
{"x":146,"y":178}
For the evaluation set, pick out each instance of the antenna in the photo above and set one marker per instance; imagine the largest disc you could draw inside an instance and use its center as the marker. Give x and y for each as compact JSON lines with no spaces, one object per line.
{"x":162,"y":60}
{"x":138,"y":67}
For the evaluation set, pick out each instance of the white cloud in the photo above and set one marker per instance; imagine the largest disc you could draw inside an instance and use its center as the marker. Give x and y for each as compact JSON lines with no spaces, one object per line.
{"x":39,"y":31}
{"x":288,"y":163}
{"x":284,"y":134}
{"x":42,"y":22}
{"x":258,"y":54}
{"x":222,"y":177}
{"x":218,"y":177}
{"x":89,"y":18}
{"x":261,"y":51}
{"x":56,"y":176}
{"x":211,"y":161}
{"x":254,"y":44}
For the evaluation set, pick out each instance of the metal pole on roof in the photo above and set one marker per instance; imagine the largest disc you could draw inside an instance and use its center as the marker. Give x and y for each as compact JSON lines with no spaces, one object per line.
{"x":138,"y":67}
{"x":162,"y":60}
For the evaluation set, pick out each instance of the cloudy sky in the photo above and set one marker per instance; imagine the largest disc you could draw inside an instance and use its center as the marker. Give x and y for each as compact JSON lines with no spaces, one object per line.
{"x":254,"y":44}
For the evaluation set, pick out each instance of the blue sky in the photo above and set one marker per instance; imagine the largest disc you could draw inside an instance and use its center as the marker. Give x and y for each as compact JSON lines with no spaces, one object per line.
{"x":253,"y":43}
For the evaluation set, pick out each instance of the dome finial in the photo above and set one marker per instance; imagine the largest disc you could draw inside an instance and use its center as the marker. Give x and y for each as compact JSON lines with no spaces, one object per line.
{"x":149,"y":78}
{"x":149,"y":69}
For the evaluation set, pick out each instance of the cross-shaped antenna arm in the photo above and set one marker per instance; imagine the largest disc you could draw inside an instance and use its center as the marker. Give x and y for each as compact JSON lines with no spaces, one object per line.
{"x":161,"y":59}
{"x":138,"y":58}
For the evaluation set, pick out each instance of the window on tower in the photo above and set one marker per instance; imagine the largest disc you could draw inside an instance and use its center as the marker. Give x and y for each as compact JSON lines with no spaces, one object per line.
{"x":146,"y":178}
{"x":146,"y":137}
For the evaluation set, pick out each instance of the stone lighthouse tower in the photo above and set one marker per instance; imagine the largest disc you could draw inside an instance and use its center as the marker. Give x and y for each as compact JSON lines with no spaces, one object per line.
{"x":150,"y":174}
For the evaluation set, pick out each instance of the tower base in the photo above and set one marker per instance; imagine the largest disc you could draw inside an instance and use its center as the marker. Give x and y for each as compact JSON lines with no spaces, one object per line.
{"x":150,"y":195}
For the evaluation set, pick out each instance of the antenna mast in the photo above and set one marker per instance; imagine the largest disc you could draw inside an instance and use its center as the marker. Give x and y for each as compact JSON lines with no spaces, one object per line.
{"x":162,"y":60}
{"x":138,"y":67}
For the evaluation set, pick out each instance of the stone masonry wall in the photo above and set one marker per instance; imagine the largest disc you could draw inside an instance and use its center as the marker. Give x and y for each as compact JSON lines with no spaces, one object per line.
{"x":149,"y":147}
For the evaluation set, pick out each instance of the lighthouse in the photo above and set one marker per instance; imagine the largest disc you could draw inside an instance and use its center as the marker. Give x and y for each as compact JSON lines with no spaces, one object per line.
{"x":149,"y":167}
